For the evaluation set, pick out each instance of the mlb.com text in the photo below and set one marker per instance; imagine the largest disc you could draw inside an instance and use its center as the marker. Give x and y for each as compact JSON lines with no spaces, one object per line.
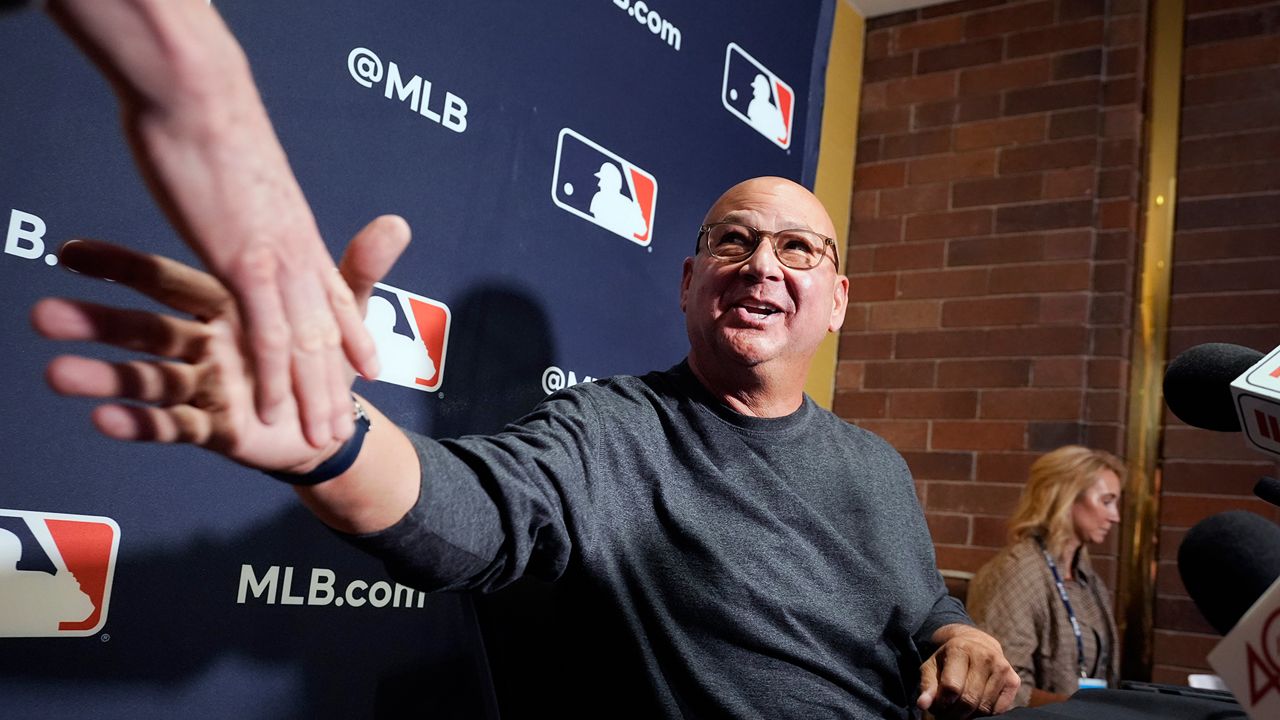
{"x":276,"y":586}
{"x":657,"y":24}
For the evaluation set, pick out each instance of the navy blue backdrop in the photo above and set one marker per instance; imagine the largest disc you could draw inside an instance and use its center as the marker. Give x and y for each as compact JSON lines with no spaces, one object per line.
{"x":554,"y":160}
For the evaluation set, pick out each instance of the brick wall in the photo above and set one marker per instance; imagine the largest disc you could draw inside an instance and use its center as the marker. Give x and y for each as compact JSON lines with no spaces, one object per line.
{"x":1226,"y":281}
{"x":992,"y":248}
{"x":993,"y":255}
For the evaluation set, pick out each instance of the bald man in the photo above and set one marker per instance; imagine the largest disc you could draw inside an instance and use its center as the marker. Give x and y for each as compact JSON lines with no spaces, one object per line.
{"x":730,"y":548}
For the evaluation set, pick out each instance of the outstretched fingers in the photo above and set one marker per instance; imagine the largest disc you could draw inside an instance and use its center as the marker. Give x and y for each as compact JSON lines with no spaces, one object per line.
{"x":175,"y":284}
{"x":152,"y":333}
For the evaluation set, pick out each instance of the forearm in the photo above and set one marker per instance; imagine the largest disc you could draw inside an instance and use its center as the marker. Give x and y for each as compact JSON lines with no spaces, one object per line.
{"x":379,"y":488}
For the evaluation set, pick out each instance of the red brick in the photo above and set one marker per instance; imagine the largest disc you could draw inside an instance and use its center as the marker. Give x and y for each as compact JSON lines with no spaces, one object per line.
{"x":920,"y":89}
{"x":943,"y":283}
{"x":1121,"y":122}
{"x":993,"y":133}
{"x":958,"y":56}
{"x":1242,"y":276}
{"x":931,"y":33}
{"x":932,"y":404}
{"x":1120,"y":91}
{"x":1044,"y":216}
{"x":1047,"y":156}
{"x":1230,"y":149}
{"x":1073,"y":123}
{"x":962,"y":558}
{"x":875,"y":232}
{"x":1055,"y":38}
{"x":1077,"y":93}
{"x":1122,"y":182}
{"x":1076,"y":9}
{"x":1119,"y":151}
{"x":1196,"y":444}
{"x":867,"y":288}
{"x":859,"y":404}
{"x":950,"y":529}
{"x":1068,"y":245}
{"x":849,"y":374}
{"x":1057,"y":309}
{"x":957,"y":7}
{"x":1262,"y":113}
{"x":1230,"y":243}
{"x":880,"y":175}
{"x":1102,"y":405}
{"x":884,"y":122}
{"x":977,"y":108}
{"x":878,"y":44}
{"x":1081,"y":63}
{"x":1107,"y":372}
{"x":989,"y":312}
{"x":865,"y":205}
{"x":1011,"y":468}
{"x":873,"y":97}
{"x":1000,"y":342}
{"x":1187,"y":510}
{"x":996,"y":191}
{"x":990,"y":531}
{"x":903,"y":435}
{"x":983,"y":373}
{"x":1229,"y":26}
{"x":956,"y":223}
{"x":957,"y":166}
{"x":1236,"y":55}
{"x":1229,"y":180}
{"x":1227,"y":212}
{"x":913,"y":256}
{"x":1113,"y":246}
{"x":868,"y":150}
{"x":995,"y":250}
{"x":888,"y":68}
{"x":1058,"y":372}
{"x":914,"y":199}
{"x":1243,"y":85}
{"x":865,"y":346}
{"x":1031,"y":404}
{"x":1186,"y":650}
{"x":930,"y":142}
{"x":904,"y":315}
{"x":880,"y":22}
{"x":1180,"y":614}
{"x":1040,"y":278}
{"x":1007,"y":75}
{"x":1244,"y":309}
{"x":1122,"y":61}
{"x":897,"y":374}
{"x":1045,"y":436}
{"x":1008,"y":19}
{"x":1073,"y":183}
{"x":1117,"y":214}
{"x":1216,"y":478}
{"x":855,"y":318}
{"x":940,"y":466}
{"x":968,"y":497}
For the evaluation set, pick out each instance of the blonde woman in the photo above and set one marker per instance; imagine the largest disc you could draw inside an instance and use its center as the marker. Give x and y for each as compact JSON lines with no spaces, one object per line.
{"x":1040,"y":596}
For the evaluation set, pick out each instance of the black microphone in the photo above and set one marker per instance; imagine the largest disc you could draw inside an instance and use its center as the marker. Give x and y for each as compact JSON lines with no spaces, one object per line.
{"x":1226,"y":562}
{"x":1268,"y":488}
{"x":1197,"y":384}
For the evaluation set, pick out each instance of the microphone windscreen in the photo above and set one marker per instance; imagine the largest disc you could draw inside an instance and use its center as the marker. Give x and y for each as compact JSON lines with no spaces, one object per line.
{"x":1226,"y":562}
{"x":1268,"y":488}
{"x":1197,"y":384}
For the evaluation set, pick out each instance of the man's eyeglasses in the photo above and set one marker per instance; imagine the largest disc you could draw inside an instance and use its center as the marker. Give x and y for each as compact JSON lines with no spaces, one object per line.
{"x":796,"y":249}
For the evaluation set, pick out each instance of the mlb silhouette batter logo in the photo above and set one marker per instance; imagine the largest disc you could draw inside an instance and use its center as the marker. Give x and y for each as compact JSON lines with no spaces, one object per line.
{"x":412,"y":335}
{"x":599,"y":186}
{"x":55,"y":573}
{"x":757,"y":96}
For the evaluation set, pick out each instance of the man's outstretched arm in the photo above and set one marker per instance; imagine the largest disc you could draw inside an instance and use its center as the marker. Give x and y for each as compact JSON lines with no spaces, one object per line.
{"x":198,"y":385}
{"x":203,"y":141}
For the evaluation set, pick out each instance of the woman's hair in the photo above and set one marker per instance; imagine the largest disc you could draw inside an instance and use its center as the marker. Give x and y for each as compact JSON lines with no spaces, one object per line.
{"x":1057,"y":479}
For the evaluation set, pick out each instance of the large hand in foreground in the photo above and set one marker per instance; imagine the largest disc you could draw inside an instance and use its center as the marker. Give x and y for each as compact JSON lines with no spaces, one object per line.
{"x":968,"y":676}
{"x":202,"y":393}
{"x":206,"y":147}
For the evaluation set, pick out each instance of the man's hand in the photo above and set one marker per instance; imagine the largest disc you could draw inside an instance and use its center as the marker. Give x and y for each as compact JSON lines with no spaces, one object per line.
{"x":968,"y":676}
{"x":201,"y":391}
{"x":205,"y":145}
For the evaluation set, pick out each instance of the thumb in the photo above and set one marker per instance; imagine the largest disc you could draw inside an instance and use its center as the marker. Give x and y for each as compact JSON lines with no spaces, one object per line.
{"x":371,"y":253}
{"x":928,"y":682}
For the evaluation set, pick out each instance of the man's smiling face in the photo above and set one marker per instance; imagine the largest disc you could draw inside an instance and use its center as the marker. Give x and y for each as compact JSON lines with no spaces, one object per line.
{"x":757,"y":310}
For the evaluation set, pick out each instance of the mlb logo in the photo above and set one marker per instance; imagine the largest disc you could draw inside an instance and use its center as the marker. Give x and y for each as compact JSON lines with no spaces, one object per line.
{"x":55,"y":573}
{"x":412,"y":336}
{"x":757,"y":96}
{"x":1260,"y":422}
{"x":602,"y":188}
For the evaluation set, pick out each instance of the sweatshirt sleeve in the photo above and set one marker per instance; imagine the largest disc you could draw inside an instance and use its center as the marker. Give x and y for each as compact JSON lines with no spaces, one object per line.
{"x":493,"y":508}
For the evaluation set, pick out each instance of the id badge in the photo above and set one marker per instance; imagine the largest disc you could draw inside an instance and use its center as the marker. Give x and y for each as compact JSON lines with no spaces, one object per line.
{"x":1093,"y":684}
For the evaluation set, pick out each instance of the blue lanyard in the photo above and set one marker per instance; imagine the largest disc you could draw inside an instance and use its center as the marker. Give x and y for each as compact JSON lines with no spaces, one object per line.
{"x":1071,"y":615}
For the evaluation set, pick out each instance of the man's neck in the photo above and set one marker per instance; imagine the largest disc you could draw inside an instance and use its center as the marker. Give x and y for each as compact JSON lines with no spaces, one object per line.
{"x":754,"y":391}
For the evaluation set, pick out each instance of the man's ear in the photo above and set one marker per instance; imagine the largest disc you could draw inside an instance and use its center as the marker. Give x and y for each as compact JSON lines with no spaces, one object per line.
{"x":839,"y":303}
{"x":685,"y":277}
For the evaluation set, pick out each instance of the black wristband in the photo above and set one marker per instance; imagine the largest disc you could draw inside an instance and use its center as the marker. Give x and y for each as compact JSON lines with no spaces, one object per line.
{"x":337,"y":463}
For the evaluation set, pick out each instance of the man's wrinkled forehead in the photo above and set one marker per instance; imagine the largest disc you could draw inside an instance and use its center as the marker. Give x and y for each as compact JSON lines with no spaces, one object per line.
{"x":776,"y":201}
